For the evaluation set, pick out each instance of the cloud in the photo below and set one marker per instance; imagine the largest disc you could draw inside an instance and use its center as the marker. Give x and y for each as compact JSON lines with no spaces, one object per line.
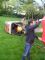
{"x":39,"y":2}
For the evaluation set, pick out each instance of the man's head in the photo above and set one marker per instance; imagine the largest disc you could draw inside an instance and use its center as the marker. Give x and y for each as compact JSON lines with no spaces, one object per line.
{"x":31,"y":22}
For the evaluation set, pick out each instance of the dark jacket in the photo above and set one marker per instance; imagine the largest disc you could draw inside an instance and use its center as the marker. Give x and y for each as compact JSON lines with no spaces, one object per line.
{"x":30,"y":34}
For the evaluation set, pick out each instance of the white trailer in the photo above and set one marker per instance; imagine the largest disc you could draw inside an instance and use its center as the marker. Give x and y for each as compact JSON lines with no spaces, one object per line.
{"x":11,"y":26}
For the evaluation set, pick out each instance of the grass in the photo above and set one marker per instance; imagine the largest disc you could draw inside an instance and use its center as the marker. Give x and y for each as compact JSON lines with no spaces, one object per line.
{"x":12,"y":46}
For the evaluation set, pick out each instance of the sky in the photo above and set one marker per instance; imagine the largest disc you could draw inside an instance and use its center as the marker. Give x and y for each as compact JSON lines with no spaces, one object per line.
{"x":39,"y":1}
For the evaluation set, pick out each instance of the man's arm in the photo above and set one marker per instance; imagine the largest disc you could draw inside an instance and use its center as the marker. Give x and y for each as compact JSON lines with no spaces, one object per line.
{"x":35,"y":25}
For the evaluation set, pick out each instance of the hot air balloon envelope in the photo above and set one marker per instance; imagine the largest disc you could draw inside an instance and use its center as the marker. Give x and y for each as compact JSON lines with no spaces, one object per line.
{"x":43,"y":27}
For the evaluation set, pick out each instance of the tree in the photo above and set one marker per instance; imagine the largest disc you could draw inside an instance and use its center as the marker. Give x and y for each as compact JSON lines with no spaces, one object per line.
{"x":43,"y":2}
{"x":40,"y":7}
{"x":1,"y":5}
{"x":30,"y":11}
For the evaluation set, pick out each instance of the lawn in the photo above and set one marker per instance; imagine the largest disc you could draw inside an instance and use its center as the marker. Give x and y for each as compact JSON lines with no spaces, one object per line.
{"x":12,"y":46}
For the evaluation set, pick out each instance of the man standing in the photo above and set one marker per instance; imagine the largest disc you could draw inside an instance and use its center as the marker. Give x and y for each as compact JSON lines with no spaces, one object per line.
{"x":23,"y":24}
{"x":30,"y":36}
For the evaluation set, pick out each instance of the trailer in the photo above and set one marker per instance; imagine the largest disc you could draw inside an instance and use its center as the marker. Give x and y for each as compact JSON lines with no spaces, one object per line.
{"x":13,"y":27}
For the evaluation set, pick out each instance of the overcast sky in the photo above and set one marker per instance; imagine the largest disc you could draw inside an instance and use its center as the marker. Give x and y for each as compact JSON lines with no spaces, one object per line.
{"x":39,"y":1}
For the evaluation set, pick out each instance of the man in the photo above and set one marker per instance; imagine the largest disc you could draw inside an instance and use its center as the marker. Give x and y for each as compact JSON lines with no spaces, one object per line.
{"x":30,"y":36}
{"x":23,"y":24}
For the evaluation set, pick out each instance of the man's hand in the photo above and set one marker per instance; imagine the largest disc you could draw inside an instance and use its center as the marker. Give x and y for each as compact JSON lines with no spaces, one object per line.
{"x":40,"y":38}
{"x":37,"y":21}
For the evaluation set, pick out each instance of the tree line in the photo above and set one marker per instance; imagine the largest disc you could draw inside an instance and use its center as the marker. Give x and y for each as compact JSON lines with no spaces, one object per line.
{"x":31,"y":8}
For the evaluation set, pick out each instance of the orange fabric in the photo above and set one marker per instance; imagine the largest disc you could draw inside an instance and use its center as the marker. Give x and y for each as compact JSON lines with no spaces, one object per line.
{"x":43,"y":26}
{"x":44,"y":43}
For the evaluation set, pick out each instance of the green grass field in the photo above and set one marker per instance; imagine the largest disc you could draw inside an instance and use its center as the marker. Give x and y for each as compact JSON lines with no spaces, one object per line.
{"x":12,"y":46}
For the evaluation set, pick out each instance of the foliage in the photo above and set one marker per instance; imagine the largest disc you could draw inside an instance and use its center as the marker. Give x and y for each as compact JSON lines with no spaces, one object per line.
{"x":20,"y":6}
{"x":33,"y":12}
{"x":1,"y":6}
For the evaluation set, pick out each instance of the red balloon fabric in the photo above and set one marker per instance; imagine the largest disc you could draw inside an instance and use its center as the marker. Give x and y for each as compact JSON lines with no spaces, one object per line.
{"x":43,"y":26}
